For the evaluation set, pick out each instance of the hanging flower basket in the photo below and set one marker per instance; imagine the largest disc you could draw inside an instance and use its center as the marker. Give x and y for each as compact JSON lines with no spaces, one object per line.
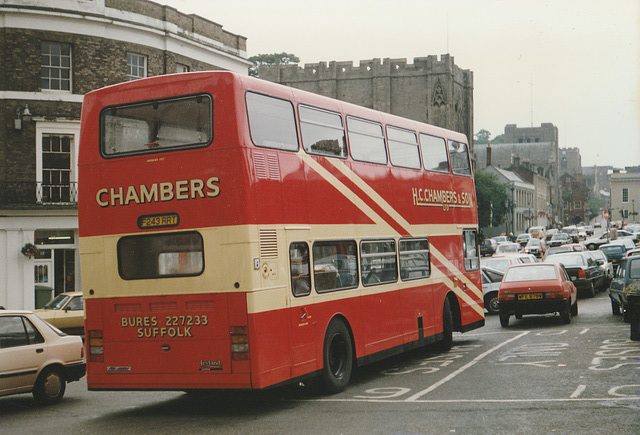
{"x":30,"y":250}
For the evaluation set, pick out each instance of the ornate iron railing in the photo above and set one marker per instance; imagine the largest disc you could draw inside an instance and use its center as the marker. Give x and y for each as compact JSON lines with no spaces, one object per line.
{"x":25,"y":193}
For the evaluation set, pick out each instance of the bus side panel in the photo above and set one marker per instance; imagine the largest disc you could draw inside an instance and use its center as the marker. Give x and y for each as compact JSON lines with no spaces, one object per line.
{"x":167,"y":342}
{"x":270,"y":348}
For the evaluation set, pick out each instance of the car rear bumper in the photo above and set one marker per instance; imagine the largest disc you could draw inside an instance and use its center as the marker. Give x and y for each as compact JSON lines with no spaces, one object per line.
{"x":541,"y":306}
{"x":75,"y":371}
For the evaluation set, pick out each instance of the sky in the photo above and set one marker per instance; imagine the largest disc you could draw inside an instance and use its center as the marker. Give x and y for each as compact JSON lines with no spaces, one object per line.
{"x":572,"y":63}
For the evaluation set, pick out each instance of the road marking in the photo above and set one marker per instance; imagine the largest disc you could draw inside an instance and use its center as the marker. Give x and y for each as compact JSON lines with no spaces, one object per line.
{"x":578,"y":391}
{"x":477,"y":359}
{"x":566,"y":399}
{"x":584,"y":331}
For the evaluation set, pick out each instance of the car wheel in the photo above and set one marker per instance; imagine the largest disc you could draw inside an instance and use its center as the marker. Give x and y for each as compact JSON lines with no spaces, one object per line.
{"x":591,"y":247}
{"x":491,"y":303}
{"x":504,"y":320}
{"x":565,"y":314}
{"x":615,"y":307}
{"x":338,"y":357}
{"x":574,"y":308}
{"x":591,"y":291}
{"x":50,"y":386}
{"x":447,"y":327}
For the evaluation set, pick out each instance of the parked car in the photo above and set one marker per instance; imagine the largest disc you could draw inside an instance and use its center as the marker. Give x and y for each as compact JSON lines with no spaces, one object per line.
{"x":626,"y":280}
{"x":501,"y":239}
{"x":595,"y":243}
{"x":537,"y":288}
{"x":572,"y":232}
{"x":65,"y":312}
{"x":560,"y":239}
{"x":535,"y":247}
{"x":491,"y":279}
{"x":632,"y":252}
{"x":36,"y":357}
{"x":627,"y":243}
{"x":571,"y":247}
{"x":605,"y":265}
{"x":507,"y":248}
{"x":585,"y":273}
{"x":523,"y":238}
{"x":614,"y":252}
{"x":488,"y":247}
{"x":550,"y":233}
{"x":501,"y":262}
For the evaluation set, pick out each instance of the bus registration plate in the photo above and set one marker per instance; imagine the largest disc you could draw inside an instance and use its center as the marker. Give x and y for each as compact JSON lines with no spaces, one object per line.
{"x":158,"y":220}
{"x":529,"y":296}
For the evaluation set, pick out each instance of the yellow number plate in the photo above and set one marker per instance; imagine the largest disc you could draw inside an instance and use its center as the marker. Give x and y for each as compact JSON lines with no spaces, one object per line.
{"x":528,"y":296}
{"x":158,"y":220}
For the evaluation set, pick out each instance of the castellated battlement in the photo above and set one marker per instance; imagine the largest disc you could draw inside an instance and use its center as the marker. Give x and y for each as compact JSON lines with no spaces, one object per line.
{"x":429,"y":90}
{"x":341,"y":70}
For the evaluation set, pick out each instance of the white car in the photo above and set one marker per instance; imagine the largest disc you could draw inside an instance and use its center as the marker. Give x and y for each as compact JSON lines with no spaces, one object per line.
{"x":491,"y":279}
{"x":36,"y":357}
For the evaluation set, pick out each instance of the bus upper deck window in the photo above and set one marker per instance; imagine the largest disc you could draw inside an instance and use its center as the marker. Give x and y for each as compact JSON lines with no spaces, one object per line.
{"x":459,"y":155}
{"x":434,"y":153}
{"x":271,"y":122}
{"x":366,"y":141}
{"x":322,"y":132}
{"x":155,"y":126}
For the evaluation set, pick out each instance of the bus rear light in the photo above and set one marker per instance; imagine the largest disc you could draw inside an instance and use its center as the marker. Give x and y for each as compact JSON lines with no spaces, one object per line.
{"x":239,"y":343}
{"x":96,"y":346}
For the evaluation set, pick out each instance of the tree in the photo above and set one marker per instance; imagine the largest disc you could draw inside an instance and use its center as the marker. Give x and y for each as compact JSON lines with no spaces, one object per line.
{"x":498,"y":139}
{"x":270,"y":59}
{"x":493,"y":201}
{"x":483,"y":136}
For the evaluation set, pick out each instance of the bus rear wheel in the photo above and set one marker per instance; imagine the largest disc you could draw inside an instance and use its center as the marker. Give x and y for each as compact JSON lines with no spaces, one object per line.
{"x":338,"y":357}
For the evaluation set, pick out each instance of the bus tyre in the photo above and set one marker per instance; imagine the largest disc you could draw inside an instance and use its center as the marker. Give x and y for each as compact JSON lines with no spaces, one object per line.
{"x":338,"y":357}
{"x":447,"y":327}
{"x":50,"y":386}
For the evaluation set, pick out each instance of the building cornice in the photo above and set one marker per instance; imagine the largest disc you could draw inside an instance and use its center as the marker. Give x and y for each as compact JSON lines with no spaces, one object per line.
{"x":125,"y":26}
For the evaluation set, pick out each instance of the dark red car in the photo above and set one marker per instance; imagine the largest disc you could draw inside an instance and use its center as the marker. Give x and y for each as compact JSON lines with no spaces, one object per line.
{"x":537,"y":288}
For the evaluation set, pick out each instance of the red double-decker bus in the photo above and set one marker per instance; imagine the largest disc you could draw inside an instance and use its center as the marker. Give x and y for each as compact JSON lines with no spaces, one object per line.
{"x":236,"y":233}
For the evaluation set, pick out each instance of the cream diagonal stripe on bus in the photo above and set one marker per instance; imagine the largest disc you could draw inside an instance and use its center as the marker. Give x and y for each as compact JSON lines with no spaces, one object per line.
{"x":348,"y":193}
{"x":400,"y":220}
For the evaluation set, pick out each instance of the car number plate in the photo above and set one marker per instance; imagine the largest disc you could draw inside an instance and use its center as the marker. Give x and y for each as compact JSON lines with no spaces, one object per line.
{"x":528,"y":296}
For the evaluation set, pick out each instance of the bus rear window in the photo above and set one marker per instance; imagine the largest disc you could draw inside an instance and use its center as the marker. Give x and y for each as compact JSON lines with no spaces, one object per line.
{"x":160,"y":256}
{"x":156,"y":126}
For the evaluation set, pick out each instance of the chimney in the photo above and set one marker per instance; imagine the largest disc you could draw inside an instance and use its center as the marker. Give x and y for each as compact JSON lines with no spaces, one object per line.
{"x":488,"y":154}
{"x":516,"y":161}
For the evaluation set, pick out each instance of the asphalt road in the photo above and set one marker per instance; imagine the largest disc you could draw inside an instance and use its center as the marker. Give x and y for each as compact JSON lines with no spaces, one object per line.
{"x":536,"y":376}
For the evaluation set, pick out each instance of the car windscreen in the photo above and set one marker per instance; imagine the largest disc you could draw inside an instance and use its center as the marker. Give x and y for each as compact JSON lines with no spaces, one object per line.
{"x":531,"y":273}
{"x":56,"y":303}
